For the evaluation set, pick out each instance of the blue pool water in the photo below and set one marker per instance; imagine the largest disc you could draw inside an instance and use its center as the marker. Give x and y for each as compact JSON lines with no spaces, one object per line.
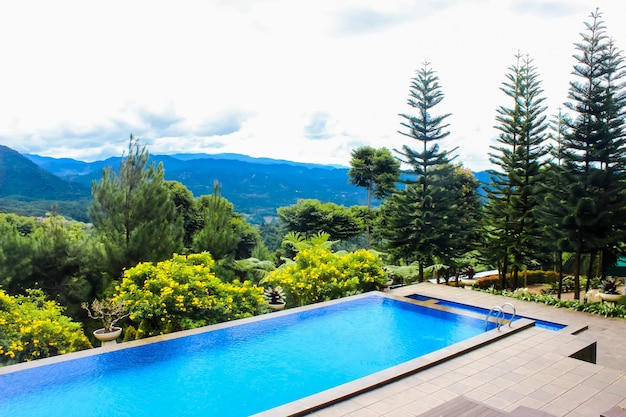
{"x":238,"y":370}
{"x":538,"y":323}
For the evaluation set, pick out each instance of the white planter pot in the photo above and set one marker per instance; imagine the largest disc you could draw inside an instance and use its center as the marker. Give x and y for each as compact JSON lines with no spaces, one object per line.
{"x":610,"y":297}
{"x":105,"y":337}
{"x":277,"y":306}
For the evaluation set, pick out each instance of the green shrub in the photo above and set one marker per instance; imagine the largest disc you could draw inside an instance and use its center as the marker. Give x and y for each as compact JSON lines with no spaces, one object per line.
{"x":183,"y":293}
{"x":604,"y":309}
{"x":318,"y":274}
{"x":32,"y":327}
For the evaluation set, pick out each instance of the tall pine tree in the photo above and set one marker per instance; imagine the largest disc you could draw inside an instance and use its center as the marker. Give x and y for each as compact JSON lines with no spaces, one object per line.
{"x":594,"y":153}
{"x":134,"y":213}
{"x":512,"y":215}
{"x":419,"y":217}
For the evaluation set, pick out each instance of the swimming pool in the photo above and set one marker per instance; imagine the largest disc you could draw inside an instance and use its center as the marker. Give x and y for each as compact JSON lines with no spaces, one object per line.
{"x":548,"y":325}
{"x":238,"y":369}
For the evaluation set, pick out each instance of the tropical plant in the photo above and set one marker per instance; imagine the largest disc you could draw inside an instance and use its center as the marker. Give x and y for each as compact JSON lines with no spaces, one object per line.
{"x":274,"y":295}
{"x":609,"y":286}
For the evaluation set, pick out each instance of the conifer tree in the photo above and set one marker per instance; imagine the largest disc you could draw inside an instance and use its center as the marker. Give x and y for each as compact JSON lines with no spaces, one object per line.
{"x":594,"y":153}
{"x":134,"y":214}
{"x":512,"y":214}
{"x":417,"y":225}
{"x":553,"y":206}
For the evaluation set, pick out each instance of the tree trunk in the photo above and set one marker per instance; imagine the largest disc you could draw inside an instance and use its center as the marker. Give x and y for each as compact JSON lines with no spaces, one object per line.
{"x":560,"y":266}
{"x":577,"y":275}
{"x":589,"y":273}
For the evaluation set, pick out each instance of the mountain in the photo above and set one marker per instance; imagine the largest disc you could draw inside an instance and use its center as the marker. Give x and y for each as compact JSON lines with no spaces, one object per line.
{"x":255,"y":186}
{"x":22,"y":179}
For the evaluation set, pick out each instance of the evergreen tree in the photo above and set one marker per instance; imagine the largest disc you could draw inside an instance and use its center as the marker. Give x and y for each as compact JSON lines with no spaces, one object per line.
{"x":418,"y":215}
{"x":461,"y":233}
{"x":594,"y":153}
{"x":513,"y":220}
{"x":187,"y":209}
{"x":553,"y":207}
{"x":218,"y":235}
{"x":134,"y":214}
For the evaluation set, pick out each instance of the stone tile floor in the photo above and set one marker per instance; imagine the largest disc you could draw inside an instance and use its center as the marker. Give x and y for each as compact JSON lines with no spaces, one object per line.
{"x":530,"y":368}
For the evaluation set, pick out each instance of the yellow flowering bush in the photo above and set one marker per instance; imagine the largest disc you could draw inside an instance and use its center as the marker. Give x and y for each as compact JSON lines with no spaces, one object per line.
{"x":318,"y":274}
{"x":183,"y":293}
{"x":32,"y":327}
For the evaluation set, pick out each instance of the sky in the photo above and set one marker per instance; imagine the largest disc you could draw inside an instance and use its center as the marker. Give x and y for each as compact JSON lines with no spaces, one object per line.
{"x":305,"y":81}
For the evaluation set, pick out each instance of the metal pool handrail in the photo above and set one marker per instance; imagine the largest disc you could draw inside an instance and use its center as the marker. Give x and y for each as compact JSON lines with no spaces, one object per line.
{"x":500,"y":316}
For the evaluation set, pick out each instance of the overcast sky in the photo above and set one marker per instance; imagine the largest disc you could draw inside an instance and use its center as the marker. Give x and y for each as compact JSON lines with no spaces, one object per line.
{"x":305,"y":81}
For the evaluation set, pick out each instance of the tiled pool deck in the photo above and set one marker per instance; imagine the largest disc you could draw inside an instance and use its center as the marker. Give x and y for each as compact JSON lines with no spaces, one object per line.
{"x":529,"y":368}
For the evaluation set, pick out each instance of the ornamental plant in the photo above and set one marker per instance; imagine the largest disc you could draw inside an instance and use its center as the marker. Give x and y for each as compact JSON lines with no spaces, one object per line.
{"x":609,"y":286}
{"x":318,"y":274}
{"x":183,"y":293}
{"x":107,"y":311}
{"x":32,"y":327}
{"x":274,"y":295}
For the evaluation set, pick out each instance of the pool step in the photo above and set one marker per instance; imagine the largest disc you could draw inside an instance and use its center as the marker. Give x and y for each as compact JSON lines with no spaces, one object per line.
{"x":462,"y":406}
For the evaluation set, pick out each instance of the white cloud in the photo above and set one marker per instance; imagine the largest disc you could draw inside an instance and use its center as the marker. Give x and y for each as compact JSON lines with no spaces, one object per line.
{"x":301,"y":80}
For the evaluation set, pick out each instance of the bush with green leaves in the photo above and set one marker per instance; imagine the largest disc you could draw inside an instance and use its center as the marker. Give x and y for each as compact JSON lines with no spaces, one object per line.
{"x":318,"y":274}
{"x":183,"y":293}
{"x":33,"y":327}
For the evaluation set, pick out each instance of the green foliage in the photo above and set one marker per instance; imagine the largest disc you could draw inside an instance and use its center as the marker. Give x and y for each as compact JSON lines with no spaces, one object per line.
{"x":183,"y":293}
{"x":25,"y":206}
{"x":312,"y":216}
{"x":600,"y":308}
{"x":52,"y":253}
{"x":375,"y":170}
{"x":187,"y":209}
{"x":317,"y":274}
{"x":223,"y":233}
{"x":16,"y":252}
{"x":405,"y":274}
{"x":32,"y":327}
{"x":252,"y":269}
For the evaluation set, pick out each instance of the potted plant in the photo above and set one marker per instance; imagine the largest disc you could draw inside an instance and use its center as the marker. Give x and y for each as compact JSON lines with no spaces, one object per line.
{"x":275,"y":297}
{"x":609,"y":290}
{"x":108,"y":312}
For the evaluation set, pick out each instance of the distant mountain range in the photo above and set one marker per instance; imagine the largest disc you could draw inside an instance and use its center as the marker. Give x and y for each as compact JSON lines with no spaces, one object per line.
{"x":256,"y":186}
